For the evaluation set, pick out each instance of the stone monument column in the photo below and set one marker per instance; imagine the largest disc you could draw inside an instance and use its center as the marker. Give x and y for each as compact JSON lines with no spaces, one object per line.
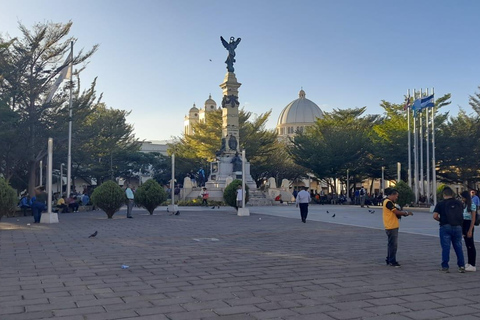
{"x":230,"y":105}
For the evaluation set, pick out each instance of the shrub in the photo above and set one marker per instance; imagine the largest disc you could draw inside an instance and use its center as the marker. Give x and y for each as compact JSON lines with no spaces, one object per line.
{"x":405,"y":194}
{"x":150,"y":195}
{"x":8,"y":199}
{"x":230,"y":193}
{"x":440,"y":192}
{"x":109,"y":197}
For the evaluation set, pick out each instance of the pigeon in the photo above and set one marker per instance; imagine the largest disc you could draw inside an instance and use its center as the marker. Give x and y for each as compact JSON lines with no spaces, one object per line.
{"x":93,"y":234}
{"x":167,"y":210}
{"x":333,"y":215}
{"x":177,"y":213}
{"x":213,"y":207}
{"x":210,"y":60}
{"x":328,"y":212}
{"x":372,"y":211}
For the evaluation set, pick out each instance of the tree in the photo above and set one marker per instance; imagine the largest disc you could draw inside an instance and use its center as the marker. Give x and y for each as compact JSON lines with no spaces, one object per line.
{"x":406,"y":195}
{"x":8,"y":198}
{"x":230,"y":193}
{"x":105,"y":141}
{"x":28,"y":67}
{"x":150,"y":195}
{"x":338,"y":142}
{"x":109,"y":197}
{"x":199,"y":149}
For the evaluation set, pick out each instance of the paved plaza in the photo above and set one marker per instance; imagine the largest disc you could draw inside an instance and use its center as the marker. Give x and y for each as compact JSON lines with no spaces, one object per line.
{"x":211,"y":264}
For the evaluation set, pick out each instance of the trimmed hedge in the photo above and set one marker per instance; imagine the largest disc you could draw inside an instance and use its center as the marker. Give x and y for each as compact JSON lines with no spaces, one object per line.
{"x":8,"y":199}
{"x":150,"y":195}
{"x":109,"y":197}
{"x":230,"y":193}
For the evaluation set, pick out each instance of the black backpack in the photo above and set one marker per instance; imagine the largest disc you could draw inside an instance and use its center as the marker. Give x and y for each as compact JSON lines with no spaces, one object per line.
{"x":454,"y":212}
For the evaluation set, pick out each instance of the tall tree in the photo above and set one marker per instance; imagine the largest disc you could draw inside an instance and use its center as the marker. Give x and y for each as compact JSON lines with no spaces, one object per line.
{"x":28,"y":68}
{"x":338,"y":142}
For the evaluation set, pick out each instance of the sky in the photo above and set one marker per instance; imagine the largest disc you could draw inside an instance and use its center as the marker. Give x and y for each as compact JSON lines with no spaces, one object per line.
{"x":156,"y":58}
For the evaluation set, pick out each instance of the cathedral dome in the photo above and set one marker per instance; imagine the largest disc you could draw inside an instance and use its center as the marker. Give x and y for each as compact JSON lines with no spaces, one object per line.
{"x":210,"y":104}
{"x":193,"y":109}
{"x":300,"y":111}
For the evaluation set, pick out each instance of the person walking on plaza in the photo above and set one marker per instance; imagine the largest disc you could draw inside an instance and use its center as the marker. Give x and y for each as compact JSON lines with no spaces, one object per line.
{"x":449,"y":212}
{"x":302,"y":200}
{"x":363,"y":195}
{"x":239,"y":193}
{"x":469,"y":216}
{"x":39,"y":203}
{"x":204,"y":194}
{"x":130,"y":199}
{"x":391,"y":216}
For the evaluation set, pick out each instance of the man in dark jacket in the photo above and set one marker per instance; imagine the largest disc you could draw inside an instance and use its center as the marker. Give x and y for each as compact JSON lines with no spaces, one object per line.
{"x":449,"y":213}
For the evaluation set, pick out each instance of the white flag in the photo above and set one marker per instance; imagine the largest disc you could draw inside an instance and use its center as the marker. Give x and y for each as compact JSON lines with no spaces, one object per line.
{"x":64,"y":74}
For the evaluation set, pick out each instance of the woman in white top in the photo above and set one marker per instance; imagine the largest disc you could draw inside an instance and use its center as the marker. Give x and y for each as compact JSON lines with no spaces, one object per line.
{"x":469,"y":215}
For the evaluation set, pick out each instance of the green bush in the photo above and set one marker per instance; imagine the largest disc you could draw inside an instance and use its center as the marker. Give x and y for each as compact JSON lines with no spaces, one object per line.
{"x":230,"y":193}
{"x":150,"y":195}
{"x":8,"y":199}
{"x":109,"y":197}
{"x":405,"y":194}
{"x":440,"y":192}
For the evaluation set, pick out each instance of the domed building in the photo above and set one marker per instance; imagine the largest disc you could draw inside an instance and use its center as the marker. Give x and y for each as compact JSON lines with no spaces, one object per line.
{"x":297,"y":115}
{"x":198,"y":115}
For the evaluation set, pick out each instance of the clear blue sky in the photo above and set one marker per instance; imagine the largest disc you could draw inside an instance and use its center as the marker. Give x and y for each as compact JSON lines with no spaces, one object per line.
{"x":154,"y":55}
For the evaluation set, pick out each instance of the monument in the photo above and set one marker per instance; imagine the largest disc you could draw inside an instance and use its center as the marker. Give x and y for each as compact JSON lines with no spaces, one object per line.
{"x":229,"y":163}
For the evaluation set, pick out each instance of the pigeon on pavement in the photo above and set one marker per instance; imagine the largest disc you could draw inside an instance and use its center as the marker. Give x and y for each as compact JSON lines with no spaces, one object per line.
{"x":93,"y":234}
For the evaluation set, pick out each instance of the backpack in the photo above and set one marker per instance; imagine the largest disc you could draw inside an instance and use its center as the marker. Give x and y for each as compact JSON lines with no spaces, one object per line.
{"x":454,"y":212}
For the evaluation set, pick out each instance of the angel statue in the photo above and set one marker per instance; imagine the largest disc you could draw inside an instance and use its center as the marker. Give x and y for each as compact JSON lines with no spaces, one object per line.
{"x":230,"y":46}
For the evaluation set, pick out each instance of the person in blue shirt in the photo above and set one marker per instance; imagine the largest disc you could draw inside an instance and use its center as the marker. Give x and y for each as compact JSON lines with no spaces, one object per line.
{"x":25,"y":204}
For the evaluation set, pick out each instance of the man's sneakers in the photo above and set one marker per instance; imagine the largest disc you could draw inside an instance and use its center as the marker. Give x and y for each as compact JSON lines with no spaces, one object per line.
{"x":470,"y":268}
{"x":445,"y":270}
{"x":461,"y":269}
{"x":395,"y":264}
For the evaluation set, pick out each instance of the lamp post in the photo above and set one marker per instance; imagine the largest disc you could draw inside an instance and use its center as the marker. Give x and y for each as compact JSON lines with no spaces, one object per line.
{"x":348,"y":185}
{"x":41,"y":173}
{"x":383,"y":180}
{"x":61,"y":179}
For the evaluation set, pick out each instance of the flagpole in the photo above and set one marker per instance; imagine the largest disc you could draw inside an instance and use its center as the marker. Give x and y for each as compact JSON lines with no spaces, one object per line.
{"x":409,"y":143}
{"x":428,"y":154}
{"x":415,"y":151}
{"x":434,"y":165}
{"x":69,"y":157}
{"x":421,"y":182}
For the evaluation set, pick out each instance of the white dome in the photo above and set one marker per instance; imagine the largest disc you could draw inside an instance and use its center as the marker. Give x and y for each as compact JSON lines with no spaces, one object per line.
{"x":300,"y":110}
{"x":193,"y":109}
{"x":210,"y":104}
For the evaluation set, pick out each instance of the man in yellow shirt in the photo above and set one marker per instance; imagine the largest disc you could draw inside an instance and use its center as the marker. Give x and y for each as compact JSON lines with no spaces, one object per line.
{"x":391,"y":215}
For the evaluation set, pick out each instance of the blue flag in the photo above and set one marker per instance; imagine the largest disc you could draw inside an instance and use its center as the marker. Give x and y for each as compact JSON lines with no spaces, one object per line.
{"x":427,"y":102}
{"x":422,"y":103}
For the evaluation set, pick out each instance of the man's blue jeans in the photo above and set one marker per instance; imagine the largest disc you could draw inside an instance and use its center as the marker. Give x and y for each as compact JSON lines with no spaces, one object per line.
{"x":451,"y":234}
{"x":392,"y":235}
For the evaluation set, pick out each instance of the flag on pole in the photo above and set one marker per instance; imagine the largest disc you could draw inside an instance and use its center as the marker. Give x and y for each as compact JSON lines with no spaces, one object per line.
{"x":427,"y":102}
{"x":407,"y":104}
{"x":65,"y":73}
{"x":422,"y":103}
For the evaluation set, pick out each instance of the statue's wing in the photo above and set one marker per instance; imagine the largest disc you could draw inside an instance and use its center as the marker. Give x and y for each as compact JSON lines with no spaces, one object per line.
{"x":225,"y":43}
{"x":235,"y":44}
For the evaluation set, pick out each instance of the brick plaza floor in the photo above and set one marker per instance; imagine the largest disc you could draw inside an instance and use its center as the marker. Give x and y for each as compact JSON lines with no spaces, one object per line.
{"x":212,"y":264}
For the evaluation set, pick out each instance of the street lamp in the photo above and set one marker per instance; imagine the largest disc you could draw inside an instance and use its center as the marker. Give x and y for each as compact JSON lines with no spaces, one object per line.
{"x":383,"y":180}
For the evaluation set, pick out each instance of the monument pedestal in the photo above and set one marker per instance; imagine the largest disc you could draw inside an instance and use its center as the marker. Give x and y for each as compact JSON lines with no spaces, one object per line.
{"x":222,"y":174}
{"x":49,"y":217}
